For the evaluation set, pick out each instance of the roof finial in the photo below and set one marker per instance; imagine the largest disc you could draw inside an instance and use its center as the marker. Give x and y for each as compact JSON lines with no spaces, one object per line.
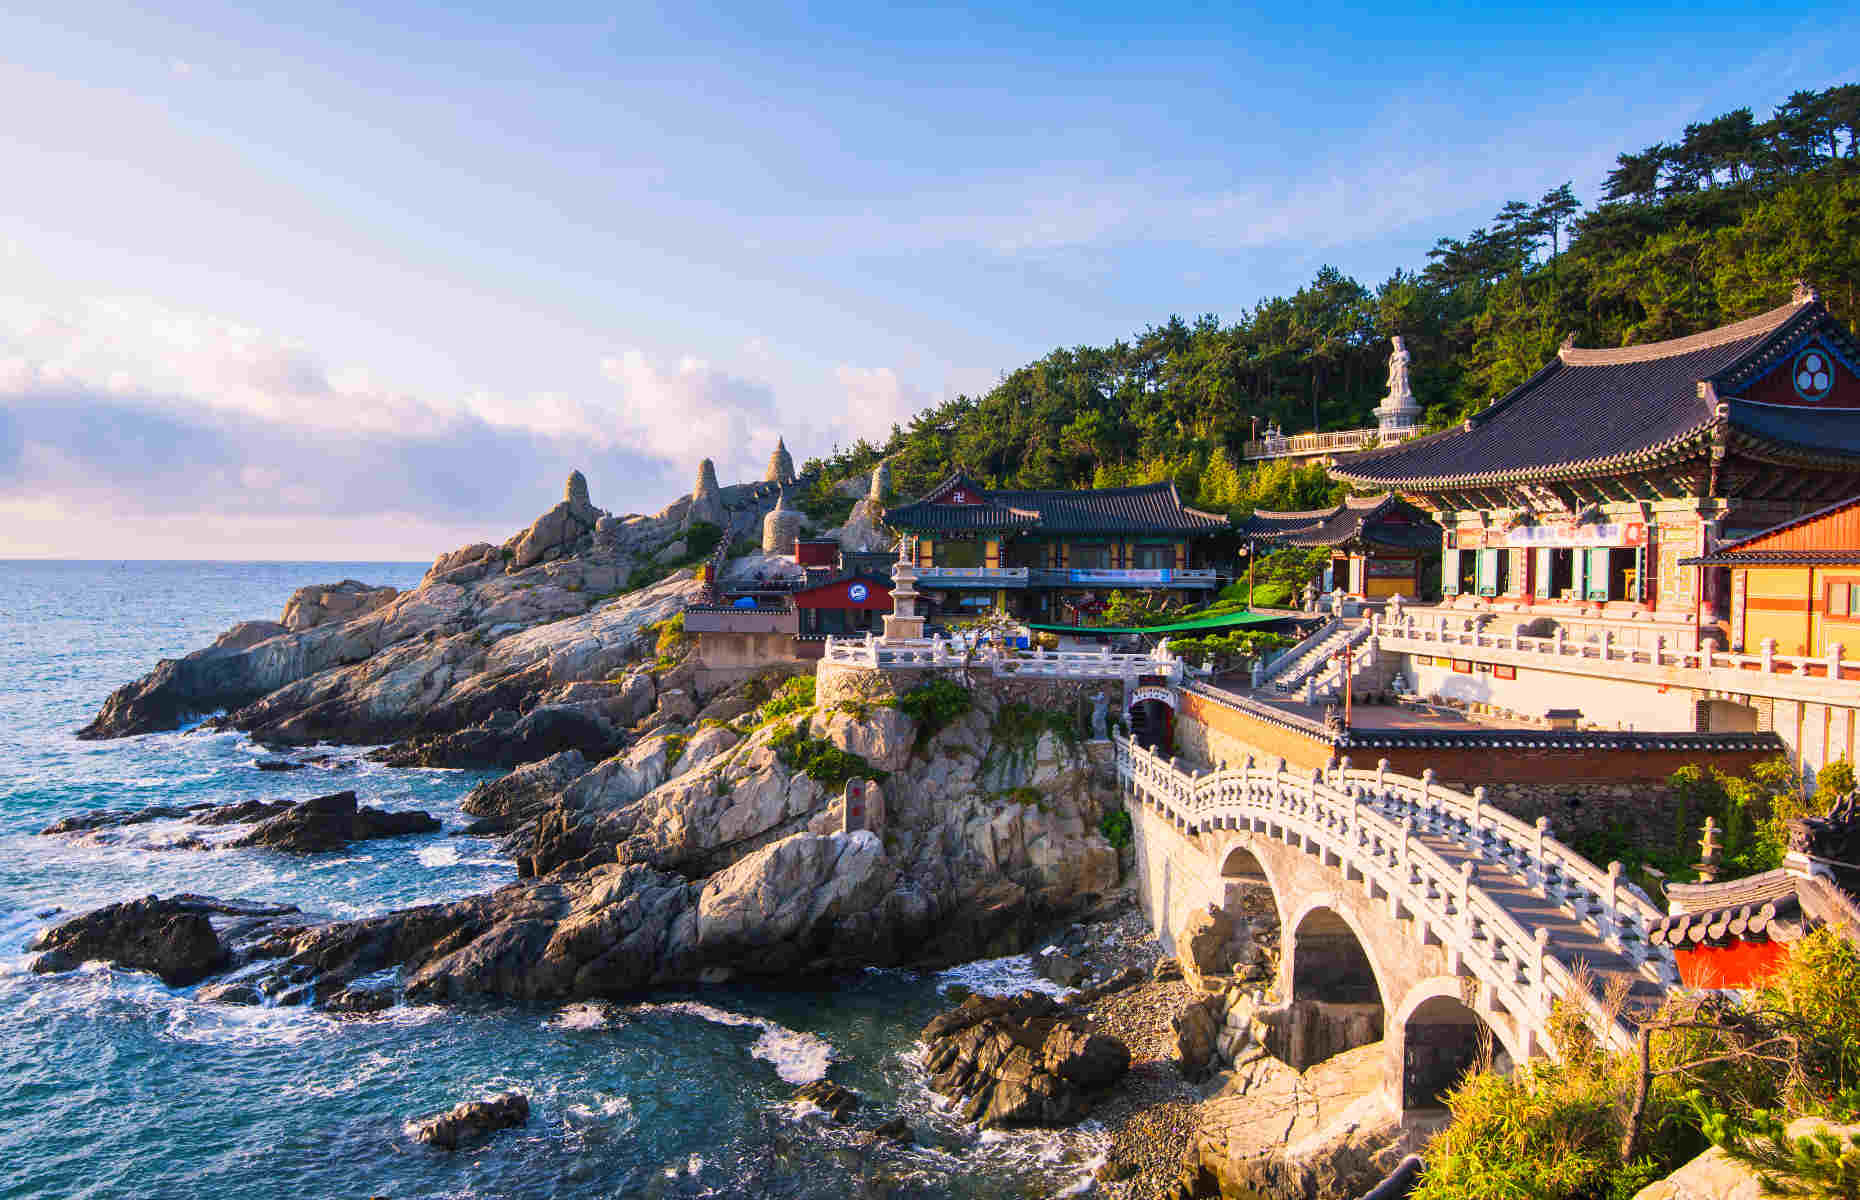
{"x":1804,"y":293}
{"x":1569,"y":341}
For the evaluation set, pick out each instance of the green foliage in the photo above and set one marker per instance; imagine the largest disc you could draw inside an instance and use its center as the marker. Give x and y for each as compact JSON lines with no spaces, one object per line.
{"x":644,"y":575}
{"x":820,"y":760}
{"x":1017,"y":727}
{"x":700,"y":540}
{"x":673,"y":642}
{"x":1752,"y":811}
{"x":1548,"y":1131}
{"x":1116,"y":828}
{"x":933,"y":705}
{"x":791,"y":697}
{"x":1834,"y":780}
{"x":1818,"y":986}
{"x":1707,"y":227}
{"x":1820,"y":1164}
{"x":1227,"y":649}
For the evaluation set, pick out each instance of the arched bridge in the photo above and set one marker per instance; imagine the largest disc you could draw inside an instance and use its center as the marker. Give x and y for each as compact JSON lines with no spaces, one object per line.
{"x":1422,"y":911}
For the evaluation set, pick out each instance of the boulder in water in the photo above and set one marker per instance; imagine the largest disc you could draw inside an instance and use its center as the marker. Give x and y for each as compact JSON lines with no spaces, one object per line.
{"x":836,"y":1101}
{"x":1020,"y":1060}
{"x":332,"y":822}
{"x":172,"y":938}
{"x":473,"y":1120}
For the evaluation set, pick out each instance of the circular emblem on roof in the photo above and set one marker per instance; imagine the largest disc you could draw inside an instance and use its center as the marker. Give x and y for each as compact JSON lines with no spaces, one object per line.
{"x":857,"y":593}
{"x":1813,"y":374}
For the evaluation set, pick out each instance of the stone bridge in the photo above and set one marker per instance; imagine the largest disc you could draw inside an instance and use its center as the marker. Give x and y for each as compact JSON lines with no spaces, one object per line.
{"x":1407,"y":911}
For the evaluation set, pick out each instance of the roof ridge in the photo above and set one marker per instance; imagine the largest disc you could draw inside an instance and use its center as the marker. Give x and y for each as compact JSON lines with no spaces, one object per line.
{"x":1750,"y":327}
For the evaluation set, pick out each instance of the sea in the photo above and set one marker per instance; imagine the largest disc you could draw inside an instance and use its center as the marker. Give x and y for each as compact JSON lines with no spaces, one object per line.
{"x":113,"y":1085}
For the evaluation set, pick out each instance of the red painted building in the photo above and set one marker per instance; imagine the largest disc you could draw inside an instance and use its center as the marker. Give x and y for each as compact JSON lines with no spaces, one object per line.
{"x":1732,"y":933}
{"x":846,"y":604}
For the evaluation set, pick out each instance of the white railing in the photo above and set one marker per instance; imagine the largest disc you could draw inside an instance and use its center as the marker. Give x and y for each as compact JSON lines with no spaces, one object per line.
{"x":1272,"y":667}
{"x":876,"y":653}
{"x":979,"y":574}
{"x":1338,"y":442}
{"x":1713,"y":669}
{"x":1367,"y":822}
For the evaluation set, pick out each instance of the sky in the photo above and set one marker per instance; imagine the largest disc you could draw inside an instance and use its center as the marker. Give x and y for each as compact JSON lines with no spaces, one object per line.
{"x":347,"y":283}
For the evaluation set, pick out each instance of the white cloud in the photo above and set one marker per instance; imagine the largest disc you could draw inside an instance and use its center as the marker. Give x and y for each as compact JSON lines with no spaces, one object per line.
{"x":876,"y":399}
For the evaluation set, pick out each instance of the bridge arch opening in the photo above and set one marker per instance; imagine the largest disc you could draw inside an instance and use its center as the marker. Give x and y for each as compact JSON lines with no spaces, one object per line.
{"x":1336,"y":994}
{"x":1152,"y":724}
{"x":1441,"y":1040}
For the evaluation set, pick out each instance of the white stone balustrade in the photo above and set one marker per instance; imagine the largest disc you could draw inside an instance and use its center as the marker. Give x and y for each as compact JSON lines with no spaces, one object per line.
{"x":1367,"y":822}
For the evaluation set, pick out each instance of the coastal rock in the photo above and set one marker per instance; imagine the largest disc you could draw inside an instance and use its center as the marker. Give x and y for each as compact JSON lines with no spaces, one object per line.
{"x":1205,"y":944}
{"x":1715,"y":1175}
{"x":472,"y":1120}
{"x":110,"y":818}
{"x":245,"y":812}
{"x":332,"y":822}
{"x":1196,"y":1031}
{"x":1018,"y":1060}
{"x":319,"y":604}
{"x":500,"y":741}
{"x":881,"y":736}
{"x":523,"y":794}
{"x":559,"y":531}
{"x":172,"y":938}
{"x":837,"y":1102}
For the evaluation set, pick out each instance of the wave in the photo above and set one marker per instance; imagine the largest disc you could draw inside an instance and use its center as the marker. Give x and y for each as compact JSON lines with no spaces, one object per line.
{"x":582,"y":1016}
{"x":797,"y":1057}
{"x":1007,"y":976}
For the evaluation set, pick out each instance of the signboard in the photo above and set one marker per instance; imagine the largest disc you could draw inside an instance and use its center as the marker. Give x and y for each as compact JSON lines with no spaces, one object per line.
{"x":1462,"y":666}
{"x":1166,"y":695}
{"x":1563,"y":534}
{"x":1392,"y":568}
{"x":857,"y":593}
{"x":1090,"y":575}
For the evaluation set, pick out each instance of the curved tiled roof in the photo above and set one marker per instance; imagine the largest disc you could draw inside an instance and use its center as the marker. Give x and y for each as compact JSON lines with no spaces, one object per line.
{"x":1356,"y":518}
{"x":1148,"y":508}
{"x":1597,"y":411}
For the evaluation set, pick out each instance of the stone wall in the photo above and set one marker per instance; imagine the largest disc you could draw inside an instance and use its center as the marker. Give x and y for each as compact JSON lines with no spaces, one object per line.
{"x":836,"y":682}
{"x":1212,"y":734}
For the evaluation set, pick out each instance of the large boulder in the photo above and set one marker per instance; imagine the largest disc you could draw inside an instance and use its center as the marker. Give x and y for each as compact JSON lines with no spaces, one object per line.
{"x":1205,"y":944}
{"x":173,"y":938}
{"x":560,"y":531}
{"x":317,"y":604}
{"x":880,"y":735}
{"x":1715,"y":1175}
{"x":523,"y":794}
{"x":1196,"y":1032}
{"x":1018,"y":1060}
{"x":332,"y":822}
{"x":473,"y":1120}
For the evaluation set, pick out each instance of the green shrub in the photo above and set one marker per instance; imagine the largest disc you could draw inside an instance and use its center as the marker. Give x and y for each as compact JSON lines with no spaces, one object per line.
{"x":1834,"y":780}
{"x":792,"y":696}
{"x":820,"y":760}
{"x":933,"y":705}
{"x":1546,"y":1132}
{"x":1116,"y":828}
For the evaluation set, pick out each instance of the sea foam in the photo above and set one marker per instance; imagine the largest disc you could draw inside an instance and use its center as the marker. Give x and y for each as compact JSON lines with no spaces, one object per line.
{"x":796,"y":1056}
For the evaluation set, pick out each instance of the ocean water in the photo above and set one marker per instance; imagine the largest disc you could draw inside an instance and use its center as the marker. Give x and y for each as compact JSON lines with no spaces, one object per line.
{"x":113,"y":1085}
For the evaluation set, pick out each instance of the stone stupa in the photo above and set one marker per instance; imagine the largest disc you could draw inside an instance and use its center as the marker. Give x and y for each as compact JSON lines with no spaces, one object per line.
{"x":781,"y":527}
{"x":781,"y":466}
{"x":706,"y":498}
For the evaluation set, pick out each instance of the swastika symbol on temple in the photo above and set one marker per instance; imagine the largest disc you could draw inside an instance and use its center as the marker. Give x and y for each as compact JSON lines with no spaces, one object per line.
{"x":1814,"y":374}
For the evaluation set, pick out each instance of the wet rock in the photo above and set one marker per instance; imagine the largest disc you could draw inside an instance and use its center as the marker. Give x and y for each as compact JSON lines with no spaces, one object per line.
{"x":473,"y":1120}
{"x":278,"y":764}
{"x":230,"y":993}
{"x":360,"y":1000}
{"x":1127,"y":978}
{"x":838,"y":1102}
{"x":523,"y":794}
{"x":169,"y":938}
{"x":110,"y":818}
{"x":896,"y":1130}
{"x":332,"y":822}
{"x":246,"y":812}
{"x":1018,"y":1060}
{"x":1062,"y":969}
{"x":509,"y":741}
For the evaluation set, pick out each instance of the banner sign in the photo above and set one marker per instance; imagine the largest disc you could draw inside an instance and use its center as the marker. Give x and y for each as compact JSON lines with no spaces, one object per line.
{"x":1091,"y":575}
{"x":1627,"y":533}
{"x":1166,"y":695}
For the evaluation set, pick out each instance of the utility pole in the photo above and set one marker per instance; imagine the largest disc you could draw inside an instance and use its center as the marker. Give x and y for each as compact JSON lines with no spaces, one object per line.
{"x":1348,"y":691}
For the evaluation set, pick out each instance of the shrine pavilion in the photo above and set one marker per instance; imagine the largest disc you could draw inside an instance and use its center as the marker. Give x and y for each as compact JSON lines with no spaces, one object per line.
{"x":1379,"y":544}
{"x":1040,"y":554}
{"x":1584,"y":488}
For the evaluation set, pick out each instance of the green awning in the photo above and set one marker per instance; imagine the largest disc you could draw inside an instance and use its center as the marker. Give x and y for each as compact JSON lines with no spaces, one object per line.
{"x":1197,"y":625}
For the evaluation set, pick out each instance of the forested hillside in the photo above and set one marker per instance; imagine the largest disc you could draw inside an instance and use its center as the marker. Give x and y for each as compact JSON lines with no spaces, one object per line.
{"x":1713,"y":227}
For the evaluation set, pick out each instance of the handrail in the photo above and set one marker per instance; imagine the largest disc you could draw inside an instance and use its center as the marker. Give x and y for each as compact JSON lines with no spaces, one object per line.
{"x":895,"y":653}
{"x":1347,"y":815}
{"x":1293,"y":653}
{"x":1833,"y":665}
{"x":1308,"y":443}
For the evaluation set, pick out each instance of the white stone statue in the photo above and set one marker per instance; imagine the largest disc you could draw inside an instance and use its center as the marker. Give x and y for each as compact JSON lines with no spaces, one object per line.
{"x":1162,"y":650}
{"x":1311,"y":595}
{"x":1099,"y":716}
{"x":1394,"y":608}
{"x":1398,"y":370}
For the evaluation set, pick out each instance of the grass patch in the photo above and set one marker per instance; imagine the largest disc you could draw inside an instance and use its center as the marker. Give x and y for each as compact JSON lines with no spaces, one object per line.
{"x":1116,"y":828}
{"x":934,"y":705}
{"x":794,"y":695}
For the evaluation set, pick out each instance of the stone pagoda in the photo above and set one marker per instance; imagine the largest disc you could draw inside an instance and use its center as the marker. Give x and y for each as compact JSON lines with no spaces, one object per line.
{"x":902,"y":623}
{"x":781,"y":466}
{"x":781,"y":527}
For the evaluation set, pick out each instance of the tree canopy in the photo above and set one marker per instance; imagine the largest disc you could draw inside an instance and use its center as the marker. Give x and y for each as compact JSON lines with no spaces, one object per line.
{"x":1713,"y":227}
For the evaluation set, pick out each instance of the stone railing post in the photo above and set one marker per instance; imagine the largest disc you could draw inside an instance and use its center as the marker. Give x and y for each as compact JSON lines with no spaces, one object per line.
{"x":1478,"y":803}
{"x":1560,"y":638}
{"x":1382,"y":772}
{"x":1539,"y":874}
{"x":1608,"y":644}
{"x":1611,"y":906}
{"x":1462,"y":903}
{"x":1427,"y":793}
{"x":1540,"y":988}
{"x":1768,"y":651}
{"x":1834,"y":660}
{"x":1404,"y":870}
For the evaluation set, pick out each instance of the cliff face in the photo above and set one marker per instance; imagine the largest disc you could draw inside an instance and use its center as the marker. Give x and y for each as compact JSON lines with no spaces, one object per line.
{"x":704,"y":852}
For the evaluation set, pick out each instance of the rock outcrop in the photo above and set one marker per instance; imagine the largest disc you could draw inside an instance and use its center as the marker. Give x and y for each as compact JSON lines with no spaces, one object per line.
{"x":1019,"y":1060}
{"x":173,"y":938}
{"x":332,"y":822}
{"x":472,"y":1121}
{"x":320,"y":604}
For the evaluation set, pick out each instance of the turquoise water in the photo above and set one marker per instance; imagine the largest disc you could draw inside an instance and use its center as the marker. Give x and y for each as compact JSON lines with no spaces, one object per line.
{"x":112,"y":1085}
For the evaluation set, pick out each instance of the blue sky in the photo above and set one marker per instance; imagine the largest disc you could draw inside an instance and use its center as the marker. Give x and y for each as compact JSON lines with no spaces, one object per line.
{"x":346,"y":282}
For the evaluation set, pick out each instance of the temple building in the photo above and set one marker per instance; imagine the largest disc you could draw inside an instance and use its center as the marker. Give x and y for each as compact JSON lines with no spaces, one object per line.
{"x":1584,"y":489}
{"x":1380,"y":545}
{"x":1796,"y":586}
{"x":1044,"y":555}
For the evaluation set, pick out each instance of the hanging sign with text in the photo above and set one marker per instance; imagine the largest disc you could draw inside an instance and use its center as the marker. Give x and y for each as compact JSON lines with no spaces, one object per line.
{"x":1626,"y":533}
